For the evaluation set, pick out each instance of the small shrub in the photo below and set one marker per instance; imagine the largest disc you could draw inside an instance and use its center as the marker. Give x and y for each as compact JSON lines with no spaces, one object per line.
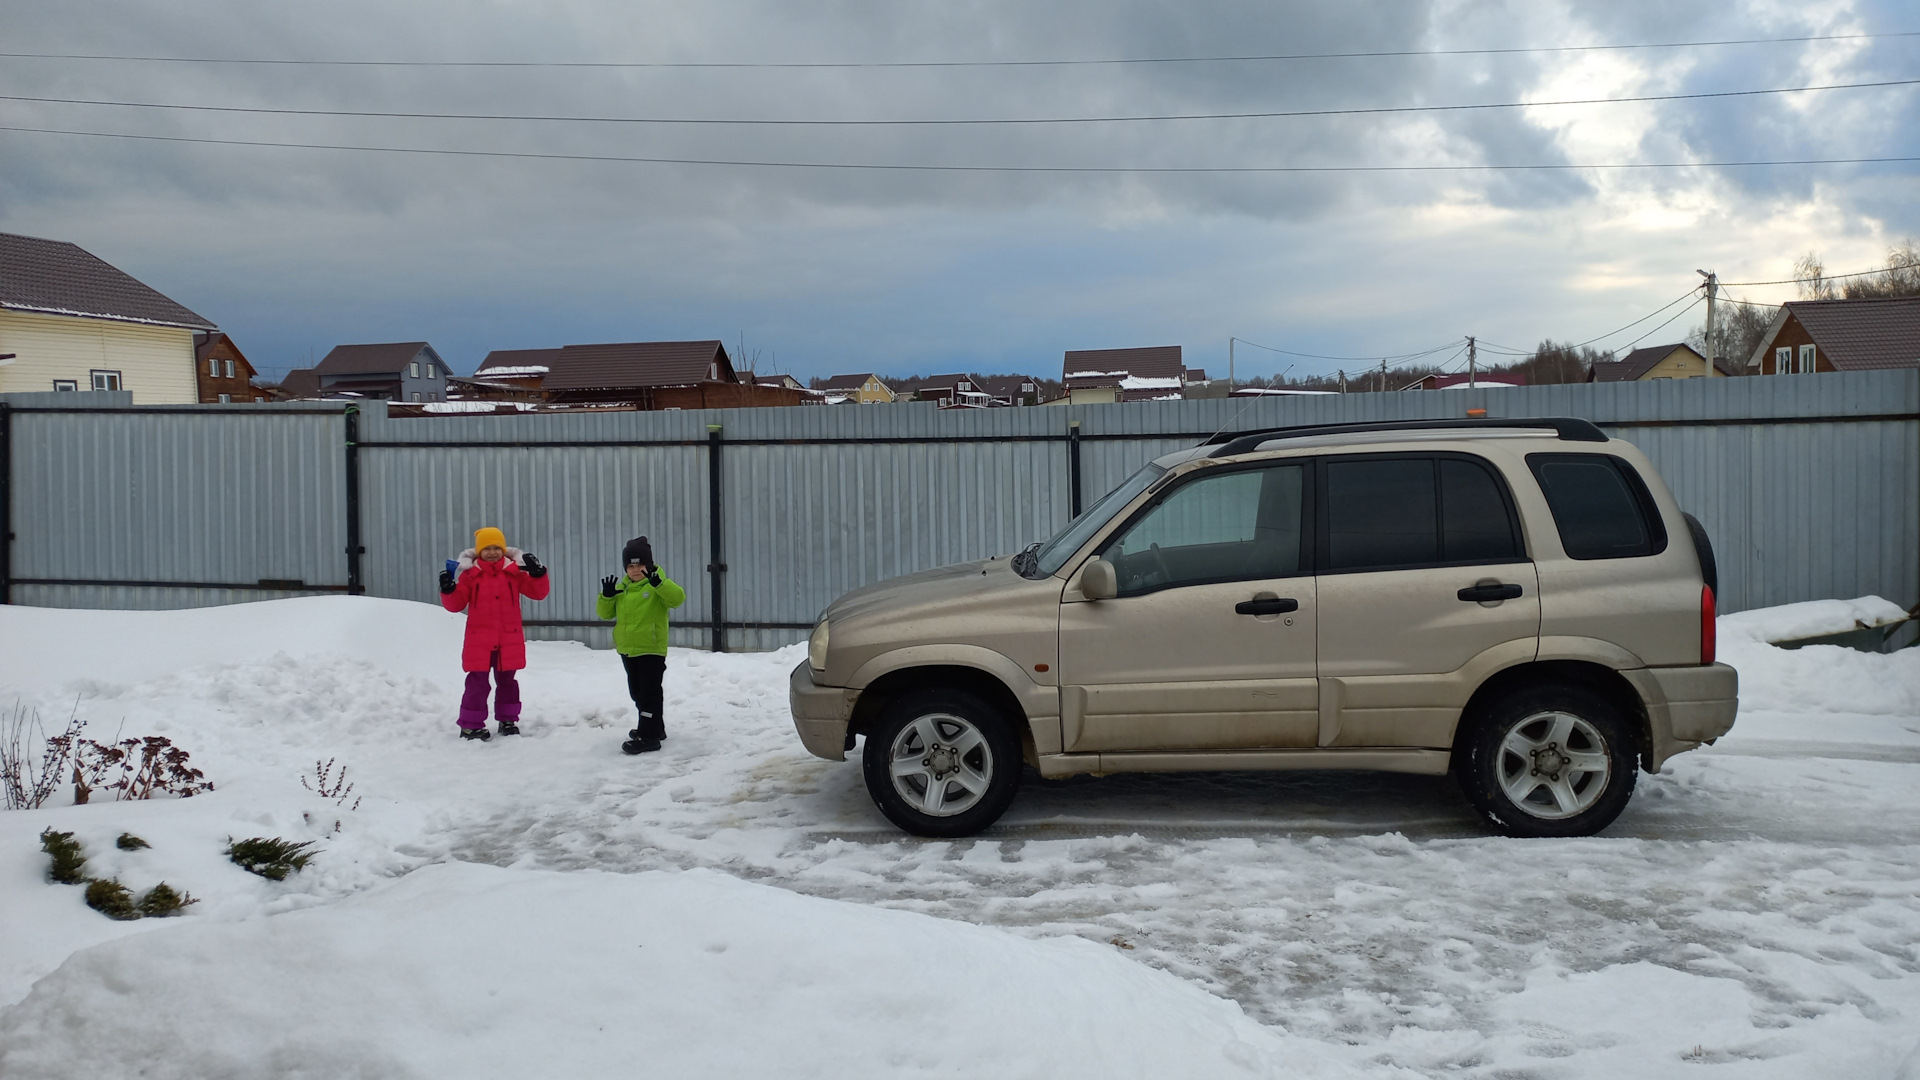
{"x":130,"y":842}
{"x":270,"y":857}
{"x":328,"y":786}
{"x":110,"y":898}
{"x":163,"y":900}
{"x":69,"y":861}
{"x":135,"y":769}
{"x":30,"y":775}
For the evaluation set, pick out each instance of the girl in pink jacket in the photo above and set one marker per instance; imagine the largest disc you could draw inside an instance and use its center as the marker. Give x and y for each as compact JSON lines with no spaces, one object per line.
{"x":492,"y":579}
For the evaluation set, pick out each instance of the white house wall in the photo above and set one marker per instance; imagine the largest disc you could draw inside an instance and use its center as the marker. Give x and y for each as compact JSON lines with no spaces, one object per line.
{"x":155,"y":362}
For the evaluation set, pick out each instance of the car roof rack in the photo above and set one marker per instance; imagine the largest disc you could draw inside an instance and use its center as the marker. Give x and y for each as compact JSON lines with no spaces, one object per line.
{"x":1570,"y":428}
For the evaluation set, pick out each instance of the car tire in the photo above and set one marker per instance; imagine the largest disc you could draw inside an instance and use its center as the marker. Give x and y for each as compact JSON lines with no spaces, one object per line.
{"x":942,"y":762}
{"x":1548,"y":761}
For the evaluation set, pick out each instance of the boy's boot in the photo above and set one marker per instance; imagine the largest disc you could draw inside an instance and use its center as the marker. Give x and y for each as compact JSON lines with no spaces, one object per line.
{"x":479,"y":733}
{"x":640,"y":746}
{"x":508,"y":727}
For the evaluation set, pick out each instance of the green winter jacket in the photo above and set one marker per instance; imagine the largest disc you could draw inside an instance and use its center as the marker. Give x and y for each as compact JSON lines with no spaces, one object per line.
{"x":639,"y":614}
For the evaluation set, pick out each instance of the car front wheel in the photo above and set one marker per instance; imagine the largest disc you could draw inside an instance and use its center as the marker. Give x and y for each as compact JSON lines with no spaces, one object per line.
{"x":942,"y":763}
{"x":1548,"y":761}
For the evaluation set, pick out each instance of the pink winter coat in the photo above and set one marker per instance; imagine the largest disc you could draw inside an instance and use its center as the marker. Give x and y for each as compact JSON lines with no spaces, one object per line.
{"x":490,"y":595}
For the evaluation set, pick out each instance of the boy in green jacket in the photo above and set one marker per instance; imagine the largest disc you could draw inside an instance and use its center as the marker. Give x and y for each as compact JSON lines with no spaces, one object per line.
{"x":638,"y":604}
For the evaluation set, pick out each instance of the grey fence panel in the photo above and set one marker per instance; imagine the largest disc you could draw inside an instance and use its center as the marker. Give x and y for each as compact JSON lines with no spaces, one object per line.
{"x":140,"y":598}
{"x":1809,"y":485}
{"x":200,"y":496}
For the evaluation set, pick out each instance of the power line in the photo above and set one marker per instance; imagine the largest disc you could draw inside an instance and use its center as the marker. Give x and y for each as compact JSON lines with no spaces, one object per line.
{"x":1696,"y":303}
{"x":1797,"y":281}
{"x":734,"y":65}
{"x":1396,"y":357}
{"x":882,"y":167}
{"x":1141,"y":118}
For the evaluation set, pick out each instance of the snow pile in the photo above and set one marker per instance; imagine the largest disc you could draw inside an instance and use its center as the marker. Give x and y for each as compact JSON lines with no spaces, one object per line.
{"x":1814,"y":618}
{"x":473,"y":971}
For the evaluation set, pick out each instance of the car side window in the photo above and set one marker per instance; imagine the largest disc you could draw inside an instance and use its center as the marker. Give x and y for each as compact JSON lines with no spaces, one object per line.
{"x":1241,"y":525}
{"x":1600,"y":506}
{"x":1405,"y":510}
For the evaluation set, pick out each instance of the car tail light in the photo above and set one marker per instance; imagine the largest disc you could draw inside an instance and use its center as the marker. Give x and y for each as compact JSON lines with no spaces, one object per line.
{"x":1706,"y":624}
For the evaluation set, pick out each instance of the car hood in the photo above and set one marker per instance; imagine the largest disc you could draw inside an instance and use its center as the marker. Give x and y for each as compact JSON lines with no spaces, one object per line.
{"x":939,"y":586}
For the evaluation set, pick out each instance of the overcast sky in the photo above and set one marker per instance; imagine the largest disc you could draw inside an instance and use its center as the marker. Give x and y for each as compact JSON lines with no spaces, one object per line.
{"x":820,"y":271}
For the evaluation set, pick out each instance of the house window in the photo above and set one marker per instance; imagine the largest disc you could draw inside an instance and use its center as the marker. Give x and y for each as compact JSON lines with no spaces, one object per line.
{"x":108,"y":380}
{"x":213,"y":368}
{"x":226,"y":399}
{"x":413,"y":370}
{"x":432,"y":372}
{"x":1782,"y":359}
{"x":229,"y":369}
{"x":1806,"y":359}
{"x":416,"y":395}
{"x":65,"y":384}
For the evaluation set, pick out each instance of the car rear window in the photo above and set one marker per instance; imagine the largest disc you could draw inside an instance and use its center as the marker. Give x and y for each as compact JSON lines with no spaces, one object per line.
{"x":1416,"y":510}
{"x":1600,"y":505}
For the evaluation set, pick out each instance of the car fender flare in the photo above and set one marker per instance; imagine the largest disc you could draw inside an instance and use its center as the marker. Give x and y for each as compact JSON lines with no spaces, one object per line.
{"x":1039,"y":704}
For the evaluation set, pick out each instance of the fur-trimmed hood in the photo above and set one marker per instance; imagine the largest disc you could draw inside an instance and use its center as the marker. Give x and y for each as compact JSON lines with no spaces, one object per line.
{"x":468,"y":557}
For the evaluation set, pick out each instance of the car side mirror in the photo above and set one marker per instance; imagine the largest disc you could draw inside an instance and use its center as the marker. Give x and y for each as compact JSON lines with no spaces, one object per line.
{"x":1098,"y":581}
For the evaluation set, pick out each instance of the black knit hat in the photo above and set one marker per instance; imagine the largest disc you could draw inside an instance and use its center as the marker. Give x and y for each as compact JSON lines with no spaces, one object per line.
{"x":637,"y":551}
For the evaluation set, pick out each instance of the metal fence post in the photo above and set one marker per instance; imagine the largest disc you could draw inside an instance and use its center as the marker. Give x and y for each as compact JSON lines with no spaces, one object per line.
{"x":6,"y":504}
{"x":716,"y":563}
{"x":355,"y":550}
{"x":1073,"y":467}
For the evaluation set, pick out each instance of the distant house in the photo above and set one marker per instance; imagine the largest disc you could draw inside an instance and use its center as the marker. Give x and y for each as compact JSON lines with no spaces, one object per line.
{"x":1678,"y":361}
{"x":1093,"y":376}
{"x":786,"y":381}
{"x":406,"y":371}
{"x":507,"y":375}
{"x":72,"y":322}
{"x":635,"y":372}
{"x":222,"y":372}
{"x":1011,"y":389}
{"x":951,"y":390}
{"x":1840,"y":335}
{"x":864,"y":388}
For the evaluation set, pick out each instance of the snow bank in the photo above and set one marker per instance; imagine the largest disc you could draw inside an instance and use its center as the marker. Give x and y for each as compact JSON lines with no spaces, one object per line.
{"x":473,"y":971}
{"x":1813,"y":618}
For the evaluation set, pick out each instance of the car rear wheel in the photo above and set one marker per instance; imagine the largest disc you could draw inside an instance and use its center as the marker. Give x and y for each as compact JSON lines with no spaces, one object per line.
{"x":942,"y":763}
{"x":1548,"y":761}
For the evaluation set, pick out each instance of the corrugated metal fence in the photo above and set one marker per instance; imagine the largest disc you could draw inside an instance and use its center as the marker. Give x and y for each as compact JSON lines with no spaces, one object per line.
{"x":1810,"y":486}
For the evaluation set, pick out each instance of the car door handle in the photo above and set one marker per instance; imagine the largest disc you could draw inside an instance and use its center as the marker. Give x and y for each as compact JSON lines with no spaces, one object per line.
{"x":1266,"y":607}
{"x":1483,"y":593}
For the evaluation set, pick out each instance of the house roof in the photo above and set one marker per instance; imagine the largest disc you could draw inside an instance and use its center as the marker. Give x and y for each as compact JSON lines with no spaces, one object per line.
{"x":1153,"y":362}
{"x":517,"y":363}
{"x":848,"y":382}
{"x":1008,"y":386}
{"x":385,"y":359}
{"x":54,"y":277}
{"x":300,"y":382}
{"x":1860,"y":335}
{"x":636,"y":364}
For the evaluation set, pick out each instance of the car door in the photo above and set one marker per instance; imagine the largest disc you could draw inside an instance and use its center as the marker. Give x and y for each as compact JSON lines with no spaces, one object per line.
{"x":1424,"y":583}
{"x":1210,"y":643}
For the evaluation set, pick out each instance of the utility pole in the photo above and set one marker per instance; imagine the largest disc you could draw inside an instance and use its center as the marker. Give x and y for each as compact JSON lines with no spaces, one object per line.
{"x":1472,"y":375}
{"x":1343,"y":380}
{"x":1713,"y":286}
{"x":1383,"y":376}
{"x":1229,"y":367}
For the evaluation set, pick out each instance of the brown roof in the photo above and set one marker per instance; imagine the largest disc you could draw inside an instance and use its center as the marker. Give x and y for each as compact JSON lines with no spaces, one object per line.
{"x":387,"y":359}
{"x":848,"y":382}
{"x":1153,"y":362}
{"x":637,"y":364}
{"x":57,"y":278}
{"x":1008,"y":386}
{"x":518,"y":358}
{"x":300,"y":382}
{"x":1861,"y":335}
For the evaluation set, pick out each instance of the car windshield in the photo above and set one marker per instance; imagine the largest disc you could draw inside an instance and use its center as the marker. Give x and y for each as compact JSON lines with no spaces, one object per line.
{"x":1053,"y":554}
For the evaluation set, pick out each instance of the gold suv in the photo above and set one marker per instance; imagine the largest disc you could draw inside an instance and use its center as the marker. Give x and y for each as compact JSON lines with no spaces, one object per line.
{"x":1520,"y":602}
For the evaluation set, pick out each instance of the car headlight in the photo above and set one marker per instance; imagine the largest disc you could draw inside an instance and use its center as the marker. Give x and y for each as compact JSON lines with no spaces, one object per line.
{"x":817,"y":647}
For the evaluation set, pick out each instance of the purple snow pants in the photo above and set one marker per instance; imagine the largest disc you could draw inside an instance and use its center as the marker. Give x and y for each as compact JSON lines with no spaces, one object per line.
{"x":506,"y":701}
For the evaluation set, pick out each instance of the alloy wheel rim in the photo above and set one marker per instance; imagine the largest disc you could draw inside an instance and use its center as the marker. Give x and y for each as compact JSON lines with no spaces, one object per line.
{"x":940,"y":764}
{"x":1553,"y":765}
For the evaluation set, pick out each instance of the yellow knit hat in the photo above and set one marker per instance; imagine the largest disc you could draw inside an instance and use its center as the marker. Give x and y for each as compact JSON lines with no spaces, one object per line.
{"x":488,"y":537}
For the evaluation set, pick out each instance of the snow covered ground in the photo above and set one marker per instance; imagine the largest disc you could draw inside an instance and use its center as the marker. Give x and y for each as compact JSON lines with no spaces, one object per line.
{"x":549,"y":906}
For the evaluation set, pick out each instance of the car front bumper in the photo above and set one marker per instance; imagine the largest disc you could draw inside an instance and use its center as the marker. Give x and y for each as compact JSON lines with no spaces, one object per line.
{"x":1686,"y":706}
{"x":820,"y":713}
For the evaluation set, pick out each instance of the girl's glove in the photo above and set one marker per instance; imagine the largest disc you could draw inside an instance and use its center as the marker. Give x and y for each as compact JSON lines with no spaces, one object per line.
{"x":653,"y":576}
{"x":532,"y":566}
{"x":446,"y":581}
{"x":607,"y":586}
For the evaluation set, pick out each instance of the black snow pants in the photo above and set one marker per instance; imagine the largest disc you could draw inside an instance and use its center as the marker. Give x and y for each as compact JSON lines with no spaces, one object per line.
{"x":644,"y":674}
